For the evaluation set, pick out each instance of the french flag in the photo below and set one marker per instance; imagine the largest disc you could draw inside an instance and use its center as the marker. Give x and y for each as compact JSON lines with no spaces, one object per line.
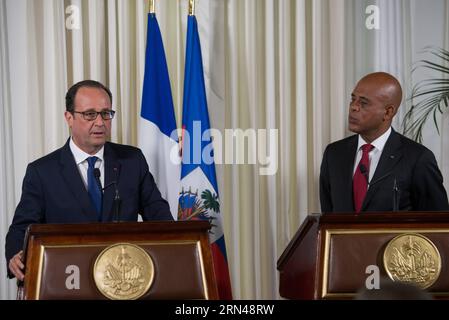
{"x":157,"y":138}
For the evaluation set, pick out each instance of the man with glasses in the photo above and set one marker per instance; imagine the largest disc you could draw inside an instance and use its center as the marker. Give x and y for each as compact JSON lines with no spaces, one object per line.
{"x":77,"y":182}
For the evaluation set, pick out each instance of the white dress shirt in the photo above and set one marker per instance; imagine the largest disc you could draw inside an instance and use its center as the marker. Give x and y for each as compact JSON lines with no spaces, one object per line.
{"x":375,"y":153}
{"x":81,"y":161}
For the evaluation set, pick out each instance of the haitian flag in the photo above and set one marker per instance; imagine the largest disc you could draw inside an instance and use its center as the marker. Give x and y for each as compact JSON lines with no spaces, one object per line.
{"x":157,"y":119}
{"x":199,"y":194}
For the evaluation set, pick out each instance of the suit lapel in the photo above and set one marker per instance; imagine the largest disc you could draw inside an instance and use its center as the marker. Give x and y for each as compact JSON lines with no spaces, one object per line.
{"x":391,"y":155}
{"x":347,"y":166}
{"x":72,"y":177}
{"x":111,"y":175}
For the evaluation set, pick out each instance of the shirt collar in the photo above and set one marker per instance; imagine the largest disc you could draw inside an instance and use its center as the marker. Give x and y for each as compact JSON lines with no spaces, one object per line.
{"x":379,"y":143}
{"x":81,"y":156}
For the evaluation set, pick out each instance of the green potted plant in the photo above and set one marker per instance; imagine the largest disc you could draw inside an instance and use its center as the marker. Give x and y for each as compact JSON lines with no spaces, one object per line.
{"x":432,"y":95}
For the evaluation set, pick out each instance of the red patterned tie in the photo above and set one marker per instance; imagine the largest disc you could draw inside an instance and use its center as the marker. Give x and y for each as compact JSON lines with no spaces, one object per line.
{"x":361,"y":176}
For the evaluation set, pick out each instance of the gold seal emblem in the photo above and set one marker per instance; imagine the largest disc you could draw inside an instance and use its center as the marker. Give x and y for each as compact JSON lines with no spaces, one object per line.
{"x":412,"y":258}
{"x":123,"y":271}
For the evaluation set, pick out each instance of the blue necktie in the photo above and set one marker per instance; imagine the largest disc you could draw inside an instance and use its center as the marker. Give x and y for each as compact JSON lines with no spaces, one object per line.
{"x":93,"y":187}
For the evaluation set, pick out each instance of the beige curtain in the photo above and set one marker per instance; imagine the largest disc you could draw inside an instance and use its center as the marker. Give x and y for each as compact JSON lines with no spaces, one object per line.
{"x":445,"y":119}
{"x":284,"y":73}
{"x":7,"y":181}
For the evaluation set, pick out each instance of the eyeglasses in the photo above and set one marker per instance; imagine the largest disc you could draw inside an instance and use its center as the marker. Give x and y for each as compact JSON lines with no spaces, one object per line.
{"x":92,"y":115}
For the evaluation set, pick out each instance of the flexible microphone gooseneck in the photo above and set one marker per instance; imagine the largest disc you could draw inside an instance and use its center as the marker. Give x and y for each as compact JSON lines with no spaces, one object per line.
{"x":116,"y":203}
{"x":97,"y":175}
{"x":396,"y":194}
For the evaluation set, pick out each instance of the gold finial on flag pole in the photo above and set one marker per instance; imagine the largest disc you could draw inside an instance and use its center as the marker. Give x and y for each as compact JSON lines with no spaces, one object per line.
{"x":152,"y":8}
{"x":191,"y":7}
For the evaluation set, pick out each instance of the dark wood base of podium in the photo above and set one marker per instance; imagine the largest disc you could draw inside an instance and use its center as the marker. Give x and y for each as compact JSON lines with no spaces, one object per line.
{"x":332,"y":255}
{"x":60,"y":259}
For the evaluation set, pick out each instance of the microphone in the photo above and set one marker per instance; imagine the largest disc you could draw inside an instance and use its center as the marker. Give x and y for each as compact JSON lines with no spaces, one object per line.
{"x":97,"y":175}
{"x":396,"y":193}
{"x":364,"y":171}
{"x":380,"y":179}
{"x":116,"y":203}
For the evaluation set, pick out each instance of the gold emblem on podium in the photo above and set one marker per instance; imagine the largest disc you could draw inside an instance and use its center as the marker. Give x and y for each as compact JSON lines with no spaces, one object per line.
{"x":412,"y":258}
{"x":123,"y":271}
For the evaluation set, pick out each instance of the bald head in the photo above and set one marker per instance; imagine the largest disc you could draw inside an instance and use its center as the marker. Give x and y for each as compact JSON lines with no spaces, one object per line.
{"x":374,"y":102}
{"x":388,"y":87}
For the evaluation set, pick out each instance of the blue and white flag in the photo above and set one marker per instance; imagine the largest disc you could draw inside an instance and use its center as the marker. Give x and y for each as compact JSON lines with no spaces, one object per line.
{"x":157,"y":119}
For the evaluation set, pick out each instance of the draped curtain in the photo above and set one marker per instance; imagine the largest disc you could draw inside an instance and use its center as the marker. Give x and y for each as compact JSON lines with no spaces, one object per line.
{"x":285,"y":65}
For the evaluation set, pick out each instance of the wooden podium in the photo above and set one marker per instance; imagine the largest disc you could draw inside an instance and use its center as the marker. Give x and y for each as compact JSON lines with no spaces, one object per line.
{"x":329,"y":255}
{"x":60,"y":259}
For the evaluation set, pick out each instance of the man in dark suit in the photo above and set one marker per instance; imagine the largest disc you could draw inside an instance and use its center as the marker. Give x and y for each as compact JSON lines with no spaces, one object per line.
{"x":379,"y":169}
{"x":66,"y":185}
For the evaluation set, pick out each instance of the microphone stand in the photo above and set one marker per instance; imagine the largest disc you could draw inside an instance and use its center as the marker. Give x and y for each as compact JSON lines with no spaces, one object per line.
{"x":395,"y":196}
{"x":116,"y":205}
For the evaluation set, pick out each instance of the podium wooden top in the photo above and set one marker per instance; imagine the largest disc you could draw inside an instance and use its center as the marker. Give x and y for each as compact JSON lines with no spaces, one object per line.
{"x":119,"y":227}
{"x":384,"y":217}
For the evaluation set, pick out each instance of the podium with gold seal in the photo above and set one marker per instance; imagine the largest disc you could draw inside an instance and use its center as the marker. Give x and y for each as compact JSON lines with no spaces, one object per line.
{"x":333,"y":255}
{"x":122,"y":261}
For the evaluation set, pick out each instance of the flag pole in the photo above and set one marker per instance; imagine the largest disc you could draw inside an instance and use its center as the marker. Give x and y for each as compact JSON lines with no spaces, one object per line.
{"x":191,"y":7}
{"x":152,"y":7}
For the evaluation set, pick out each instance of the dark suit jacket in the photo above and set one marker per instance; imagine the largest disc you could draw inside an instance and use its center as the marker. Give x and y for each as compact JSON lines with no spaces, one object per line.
{"x":53,"y":192}
{"x":413,"y":166}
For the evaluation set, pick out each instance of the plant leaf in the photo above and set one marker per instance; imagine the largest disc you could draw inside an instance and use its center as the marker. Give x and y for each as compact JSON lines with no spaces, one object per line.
{"x":432,"y":95}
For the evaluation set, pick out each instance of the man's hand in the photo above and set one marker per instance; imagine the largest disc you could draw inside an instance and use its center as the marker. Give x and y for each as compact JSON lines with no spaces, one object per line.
{"x":16,"y":266}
